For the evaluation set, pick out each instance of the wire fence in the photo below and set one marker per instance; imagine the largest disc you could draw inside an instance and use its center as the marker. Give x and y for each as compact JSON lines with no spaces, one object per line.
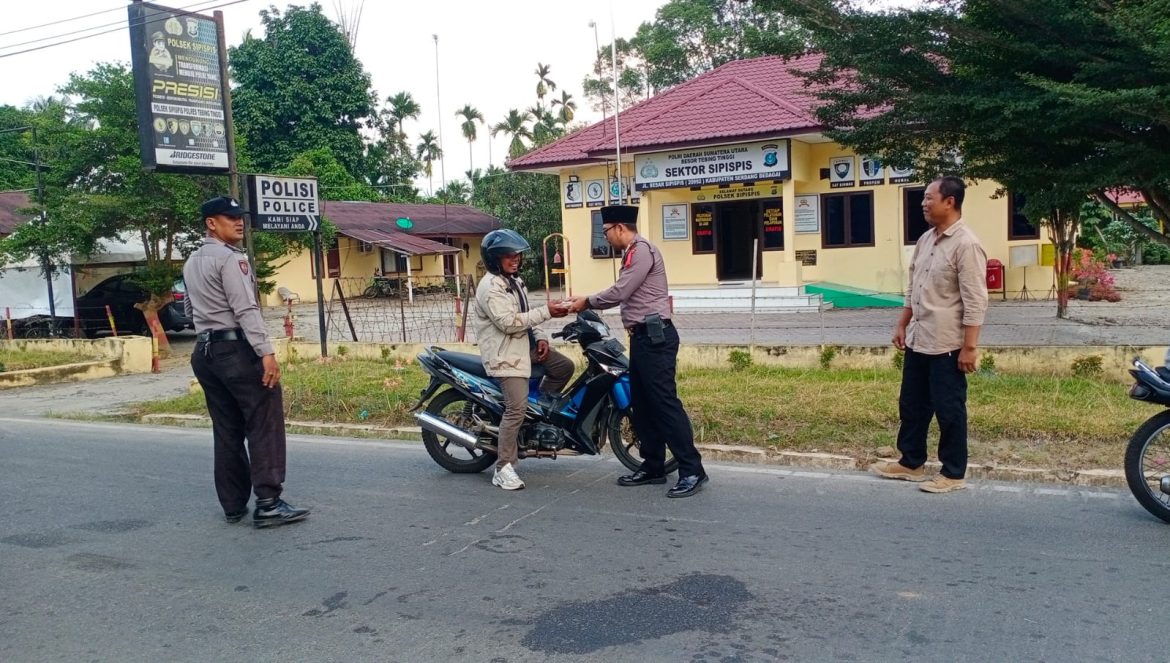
{"x":414,"y":309}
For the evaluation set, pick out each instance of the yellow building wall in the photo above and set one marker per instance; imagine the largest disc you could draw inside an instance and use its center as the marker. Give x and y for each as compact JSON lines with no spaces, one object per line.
{"x":880,"y":268}
{"x":297,"y":273}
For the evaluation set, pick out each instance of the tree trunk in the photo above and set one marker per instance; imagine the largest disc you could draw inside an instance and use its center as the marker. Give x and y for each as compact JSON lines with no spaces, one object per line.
{"x":150,"y":309}
{"x":1063,"y":226}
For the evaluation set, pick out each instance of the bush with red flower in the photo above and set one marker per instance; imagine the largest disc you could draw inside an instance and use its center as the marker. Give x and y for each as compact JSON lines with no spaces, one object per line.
{"x":1092,"y":278}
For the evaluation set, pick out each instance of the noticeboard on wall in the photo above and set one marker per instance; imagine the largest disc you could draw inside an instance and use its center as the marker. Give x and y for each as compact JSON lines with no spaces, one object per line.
{"x":808,"y":214}
{"x":772,"y":224}
{"x":675,"y":224}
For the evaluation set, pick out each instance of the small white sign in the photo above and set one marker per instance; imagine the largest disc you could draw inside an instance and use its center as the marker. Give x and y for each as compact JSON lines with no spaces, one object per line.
{"x":595,"y":193}
{"x":873,"y":173}
{"x":808,"y":214}
{"x":574,"y":196}
{"x":901,"y":175}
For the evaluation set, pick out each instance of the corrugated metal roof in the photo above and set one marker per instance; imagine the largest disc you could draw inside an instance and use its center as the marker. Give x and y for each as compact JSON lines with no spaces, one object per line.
{"x":741,"y":99}
{"x":10,"y":201}
{"x":429,"y":220}
{"x":400,"y":242}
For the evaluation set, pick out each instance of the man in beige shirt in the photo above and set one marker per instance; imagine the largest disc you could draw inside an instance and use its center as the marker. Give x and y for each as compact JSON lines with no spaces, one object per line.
{"x":939,"y":331}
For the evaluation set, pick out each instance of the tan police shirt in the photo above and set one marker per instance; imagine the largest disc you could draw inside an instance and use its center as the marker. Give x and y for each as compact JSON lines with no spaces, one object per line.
{"x":221,"y":293}
{"x":641,"y":286}
{"x":948,"y":289}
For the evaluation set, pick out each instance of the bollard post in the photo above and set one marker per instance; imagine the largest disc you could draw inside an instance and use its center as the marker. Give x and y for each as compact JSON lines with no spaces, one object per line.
{"x":458,"y":319}
{"x":110,"y":317}
{"x":154,"y":360}
{"x":288,"y":321}
{"x":8,"y":321}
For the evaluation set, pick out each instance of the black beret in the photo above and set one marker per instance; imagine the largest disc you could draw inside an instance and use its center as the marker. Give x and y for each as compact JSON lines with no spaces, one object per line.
{"x":620,"y":214}
{"x":224,"y":205}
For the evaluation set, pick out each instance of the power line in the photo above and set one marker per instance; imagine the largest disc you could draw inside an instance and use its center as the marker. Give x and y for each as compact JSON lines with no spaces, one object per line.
{"x":63,"y":20}
{"x":118,"y":24}
{"x":180,"y":12}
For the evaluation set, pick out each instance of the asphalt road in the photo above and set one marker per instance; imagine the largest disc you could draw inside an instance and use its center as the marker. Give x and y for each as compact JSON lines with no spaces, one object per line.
{"x":113,"y":549}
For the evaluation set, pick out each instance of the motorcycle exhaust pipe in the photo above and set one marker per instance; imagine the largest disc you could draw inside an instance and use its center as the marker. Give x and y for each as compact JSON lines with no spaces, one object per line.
{"x":1164,"y":484}
{"x":442,"y":427}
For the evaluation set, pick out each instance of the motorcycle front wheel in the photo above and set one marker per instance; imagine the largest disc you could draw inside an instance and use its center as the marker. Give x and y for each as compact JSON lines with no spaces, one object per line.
{"x":1147,"y":460}
{"x":625,"y":444}
{"x":459,"y":411}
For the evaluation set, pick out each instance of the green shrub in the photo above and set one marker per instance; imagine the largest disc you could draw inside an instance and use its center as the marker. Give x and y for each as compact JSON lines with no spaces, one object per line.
{"x":987,"y":363}
{"x":740,"y":360}
{"x":828,"y":353}
{"x":899,"y":359}
{"x":2,"y":369}
{"x":342,"y":351}
{"x":1087,"y":366}
{"x":385,"y":353}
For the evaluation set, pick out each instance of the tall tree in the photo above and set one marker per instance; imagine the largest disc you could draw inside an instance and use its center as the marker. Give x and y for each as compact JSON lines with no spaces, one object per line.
{"x":568,"y":107}
{"x":402,"y":107}
{"x":1058,"y":99}
{"x":544,"y":84}
{"x":428,"y":152}
{"x":528,"y":203}
{"x":455,"y":193}
{"x":300,"y":88}
{"x":544,"y":125}
{"x":470,"y":117}
{"x":515,"y":125}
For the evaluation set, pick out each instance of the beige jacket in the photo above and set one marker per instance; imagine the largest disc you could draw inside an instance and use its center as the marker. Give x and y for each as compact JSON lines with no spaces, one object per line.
{"x":501,"y":328}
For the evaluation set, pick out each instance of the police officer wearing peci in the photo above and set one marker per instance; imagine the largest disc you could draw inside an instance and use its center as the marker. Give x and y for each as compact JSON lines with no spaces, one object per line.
{"x":236,"y":366}
{"x":658,"y":415}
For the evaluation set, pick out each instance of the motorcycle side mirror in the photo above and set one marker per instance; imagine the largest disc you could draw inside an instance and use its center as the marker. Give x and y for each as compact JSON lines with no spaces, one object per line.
{"x":589,"y":315}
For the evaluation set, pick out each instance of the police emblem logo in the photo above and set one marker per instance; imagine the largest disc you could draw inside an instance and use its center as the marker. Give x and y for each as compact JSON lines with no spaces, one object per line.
{"x":244,"y":267}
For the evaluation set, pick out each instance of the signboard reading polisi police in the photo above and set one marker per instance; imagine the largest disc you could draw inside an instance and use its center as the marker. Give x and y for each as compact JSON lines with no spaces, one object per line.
{"x":722,"y":164}
{"x":284,"y":204}
{"x":182,"y":123}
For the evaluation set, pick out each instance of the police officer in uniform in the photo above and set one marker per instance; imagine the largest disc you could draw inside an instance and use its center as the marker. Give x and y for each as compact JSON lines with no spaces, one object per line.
{"x":236,"y":366}
{"x":658,"y":415}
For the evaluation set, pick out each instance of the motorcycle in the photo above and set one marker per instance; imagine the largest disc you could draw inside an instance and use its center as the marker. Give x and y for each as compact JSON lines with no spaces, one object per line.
{"x":461,"y":425}
{"x":1147,"y":457}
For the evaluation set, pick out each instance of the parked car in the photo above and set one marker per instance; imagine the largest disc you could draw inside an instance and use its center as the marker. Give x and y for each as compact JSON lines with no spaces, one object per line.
{"x":121,"y":293}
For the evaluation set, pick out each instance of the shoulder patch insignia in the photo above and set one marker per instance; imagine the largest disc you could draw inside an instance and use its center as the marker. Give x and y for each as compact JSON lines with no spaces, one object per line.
{"x":629,"y":256}
{"x":244,"y":267}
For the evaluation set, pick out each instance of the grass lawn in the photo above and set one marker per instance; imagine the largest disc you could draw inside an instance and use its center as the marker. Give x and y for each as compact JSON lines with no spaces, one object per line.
{"x":12,"y":359}
{"x":1014,"y":420}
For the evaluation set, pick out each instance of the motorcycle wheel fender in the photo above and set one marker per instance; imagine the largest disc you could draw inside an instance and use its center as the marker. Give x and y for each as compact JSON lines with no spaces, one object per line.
{"x":596,"y":400}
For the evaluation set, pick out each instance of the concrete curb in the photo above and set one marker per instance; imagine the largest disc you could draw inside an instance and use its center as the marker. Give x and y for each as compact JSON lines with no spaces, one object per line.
{"x":732,"y":453}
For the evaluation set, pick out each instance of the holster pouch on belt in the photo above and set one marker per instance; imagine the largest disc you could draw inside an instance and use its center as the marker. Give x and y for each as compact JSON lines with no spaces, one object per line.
{"x":654,"y":329}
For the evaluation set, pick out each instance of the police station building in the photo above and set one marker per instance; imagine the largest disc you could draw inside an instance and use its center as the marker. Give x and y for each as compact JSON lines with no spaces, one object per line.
{"x":735,"y":158}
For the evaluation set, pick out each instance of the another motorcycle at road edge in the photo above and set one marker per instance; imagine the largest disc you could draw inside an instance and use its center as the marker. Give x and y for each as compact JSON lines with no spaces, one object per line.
{"x":461,"y":425}
{"x":1147,"y":457}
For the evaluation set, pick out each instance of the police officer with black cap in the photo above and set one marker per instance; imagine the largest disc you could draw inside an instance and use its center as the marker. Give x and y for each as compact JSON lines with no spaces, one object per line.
{"x":658,"y":415}
{"x":236,"y":365}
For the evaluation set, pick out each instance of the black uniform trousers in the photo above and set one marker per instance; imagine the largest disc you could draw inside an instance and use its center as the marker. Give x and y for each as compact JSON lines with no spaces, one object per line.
{"x":658,"y":416}
{"x":241,"y":407}
{"x":933,"y":386}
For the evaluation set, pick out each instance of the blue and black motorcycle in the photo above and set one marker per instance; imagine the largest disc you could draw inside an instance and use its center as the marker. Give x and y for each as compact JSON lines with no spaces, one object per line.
{"x":461,"y":424}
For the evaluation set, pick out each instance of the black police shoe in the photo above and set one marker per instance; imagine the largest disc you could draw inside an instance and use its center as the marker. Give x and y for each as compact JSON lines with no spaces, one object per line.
{"x":235,"y":516}
{"x":641,"y":478}
{"x":687,"y":486}
{"x":276,"y":511}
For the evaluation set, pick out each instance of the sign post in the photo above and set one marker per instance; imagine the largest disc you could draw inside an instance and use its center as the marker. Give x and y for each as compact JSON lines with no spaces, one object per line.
{"x":290,"y":205}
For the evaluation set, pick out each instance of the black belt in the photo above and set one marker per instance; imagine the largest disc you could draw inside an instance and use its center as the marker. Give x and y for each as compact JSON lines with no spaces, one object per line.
{"x":641,"y":327}
{"x":221,"y":335}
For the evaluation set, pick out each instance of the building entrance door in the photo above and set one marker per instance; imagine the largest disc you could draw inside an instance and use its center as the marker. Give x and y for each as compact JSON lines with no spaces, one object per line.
{"x":735,"y":230}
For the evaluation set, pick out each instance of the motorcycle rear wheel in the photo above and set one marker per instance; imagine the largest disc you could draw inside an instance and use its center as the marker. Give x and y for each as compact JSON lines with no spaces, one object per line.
{"x":625,"y":444}
{"x":1147,"y":460}
{"x":452,"y":456}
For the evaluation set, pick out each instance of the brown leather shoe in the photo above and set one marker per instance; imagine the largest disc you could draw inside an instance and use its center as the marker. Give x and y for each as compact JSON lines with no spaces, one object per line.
{"x":941,"y":484}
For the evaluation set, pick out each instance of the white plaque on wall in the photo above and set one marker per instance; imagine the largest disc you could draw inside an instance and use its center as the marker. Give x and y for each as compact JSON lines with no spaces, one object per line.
{"x":675,"y":224}
{"x":1026,"y":255}
{"x":808,"y":214}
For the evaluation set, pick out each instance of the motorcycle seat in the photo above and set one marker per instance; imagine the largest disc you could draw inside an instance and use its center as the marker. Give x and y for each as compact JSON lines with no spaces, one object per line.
{"x":469,"y":363}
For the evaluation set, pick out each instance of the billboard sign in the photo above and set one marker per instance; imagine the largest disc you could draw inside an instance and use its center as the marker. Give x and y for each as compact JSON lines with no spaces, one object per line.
{"x":182,"y":122}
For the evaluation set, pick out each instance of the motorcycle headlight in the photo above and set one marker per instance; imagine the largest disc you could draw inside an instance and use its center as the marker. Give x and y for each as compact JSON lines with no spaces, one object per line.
{"x":616,"y":371}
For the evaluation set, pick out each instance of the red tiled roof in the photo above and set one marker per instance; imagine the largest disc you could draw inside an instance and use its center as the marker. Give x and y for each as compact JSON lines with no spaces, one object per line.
{"x":400,"y":242}
{"x":1126,"y":197}
{"x":10,"y":201}
{"x":429,"y":220}
{"x":742,"y":99}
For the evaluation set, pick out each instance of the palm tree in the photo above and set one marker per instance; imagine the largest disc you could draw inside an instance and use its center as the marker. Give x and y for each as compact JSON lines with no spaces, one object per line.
{"x":470,"y":116}
{"x":544,"y":124}
{"x":428,"y":152}
{"x":402,"y":107}
{"x":455,"y":193}
{"x":568,"y":106}
{"x":514,"y":125}
{"x":545,"y":84}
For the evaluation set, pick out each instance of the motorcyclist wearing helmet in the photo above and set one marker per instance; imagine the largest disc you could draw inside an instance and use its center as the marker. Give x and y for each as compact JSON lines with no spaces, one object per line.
{"x":509,"y":341}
